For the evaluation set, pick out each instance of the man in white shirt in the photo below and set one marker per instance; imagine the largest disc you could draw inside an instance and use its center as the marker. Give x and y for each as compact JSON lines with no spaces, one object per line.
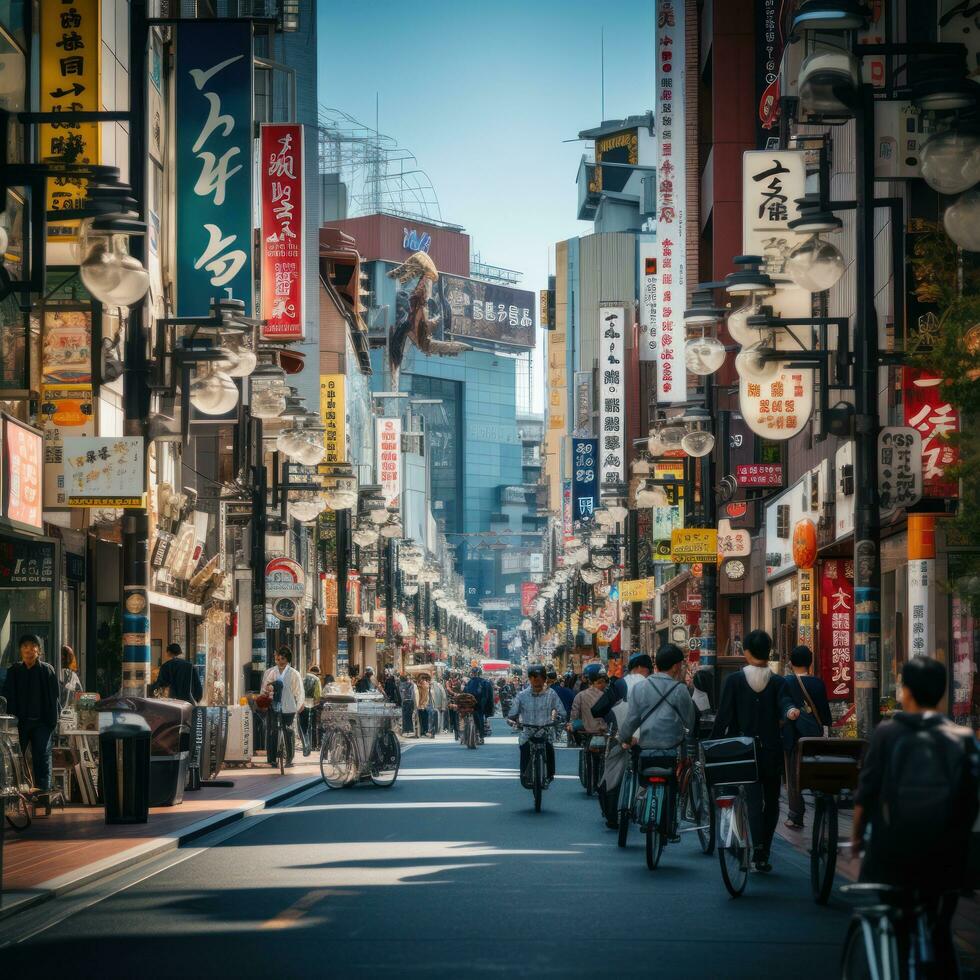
{"x":292,"y":699}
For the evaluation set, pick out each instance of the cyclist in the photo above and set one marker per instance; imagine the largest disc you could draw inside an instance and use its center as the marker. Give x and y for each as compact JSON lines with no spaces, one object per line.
{"x":565,"y":693}
{"x":292,"y":699}
{"x":581,"y":710}
{"x":478,"y":688}
{"x":918,"y":793}
{"x":536,"y":705}
{"x":660,"y":715}
{"x":749,"y":706}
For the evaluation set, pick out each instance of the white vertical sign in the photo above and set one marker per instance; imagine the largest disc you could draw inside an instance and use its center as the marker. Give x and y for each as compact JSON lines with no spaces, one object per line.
{"x":772,"y":180}
{"x":388,"y":443}
{"x":612,"y":375}
{"x":646,"y":276}
{"x":671,"y":204}
{"x":921,"y":572}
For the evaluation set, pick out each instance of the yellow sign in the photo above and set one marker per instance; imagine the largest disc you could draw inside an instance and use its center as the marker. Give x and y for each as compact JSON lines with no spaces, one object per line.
{"x":694,"y":544}
{"x":333,"y":410}
{"x":637,"y":590}
{"x":807,"y":602}
{"x":71,"y":45}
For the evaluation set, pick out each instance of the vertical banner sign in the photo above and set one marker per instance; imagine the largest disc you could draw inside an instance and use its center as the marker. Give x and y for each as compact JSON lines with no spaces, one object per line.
{"x":805,"y":598}
{"x":214,"y":164}
{"x":922,"y":570}
{"x":671,"y":204}
{"x":583,"y":404}
{"x":529,"y":592}
{"x":930,"y":413}
{"x":282,"y":240}
{"x":70,"y":48}
{"x":646,"y":276}
{"x":333,"y":410}
{"x":567,"y":521}
{"x":388,"y":439}
{"x":22,"y":469}
{"x":612,"y":374}
{"x":768,"y":54}
{"x":837,"y":628}
{"x":585,"y":483}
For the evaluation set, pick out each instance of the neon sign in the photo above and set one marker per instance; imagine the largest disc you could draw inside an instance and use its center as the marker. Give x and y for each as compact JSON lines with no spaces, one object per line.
{"x":414,"y":242}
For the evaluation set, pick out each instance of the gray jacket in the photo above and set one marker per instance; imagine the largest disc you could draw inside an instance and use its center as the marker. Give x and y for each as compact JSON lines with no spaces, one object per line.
{"x":670,"y":724}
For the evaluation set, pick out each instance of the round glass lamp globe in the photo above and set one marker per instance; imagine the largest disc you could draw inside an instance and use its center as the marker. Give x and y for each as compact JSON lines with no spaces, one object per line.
{"x":591,"y":575}
{"x":310,"y":451}
{"x":698,"y":443}
{"x":287,"y":442}
{"x":99,"y":269}
{"x":750,"y":365}
{"x":950,"y":162}
{"x":704,"y":355}
{"x":655,"y":444}
{"x":671,"y":435}
{"x":962,"y":221}
{"x":815,"y":265}
{"x":213,"y":393}
{"x":241,"y":357}
{"x":738,"y":324}
{"x":364,"y":538}
{"x":4,"y":240}
{"x":268,"y":402}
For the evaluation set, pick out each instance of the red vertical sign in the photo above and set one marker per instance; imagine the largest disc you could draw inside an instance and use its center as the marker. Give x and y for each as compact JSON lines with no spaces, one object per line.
{"x":283,"y":240}
{"x":529,"y":592}
{"x":837,"y":628}
{"x":929,"y":412}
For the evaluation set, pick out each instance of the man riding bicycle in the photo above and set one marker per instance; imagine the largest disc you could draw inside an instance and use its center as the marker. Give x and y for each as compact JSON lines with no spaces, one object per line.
{"x":537,"y":705}
{"x":660,"y":716}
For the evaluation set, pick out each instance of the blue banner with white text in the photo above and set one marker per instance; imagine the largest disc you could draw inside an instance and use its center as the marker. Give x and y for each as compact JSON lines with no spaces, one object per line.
{"x":585,"y":479}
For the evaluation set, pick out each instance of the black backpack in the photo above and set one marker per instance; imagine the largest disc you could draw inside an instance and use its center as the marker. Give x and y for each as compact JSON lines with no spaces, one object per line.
{"x":929,"y":795}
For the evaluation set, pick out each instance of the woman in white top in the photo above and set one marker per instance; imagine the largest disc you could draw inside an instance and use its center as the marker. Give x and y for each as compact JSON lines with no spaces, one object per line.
{"x":292,"y":698}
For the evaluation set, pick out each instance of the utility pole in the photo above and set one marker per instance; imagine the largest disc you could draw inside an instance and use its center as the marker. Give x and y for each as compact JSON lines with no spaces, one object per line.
{"x":259,"y":642}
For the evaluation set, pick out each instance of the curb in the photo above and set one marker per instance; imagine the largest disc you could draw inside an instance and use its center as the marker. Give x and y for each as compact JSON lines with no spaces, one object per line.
{"x":14,"y":902}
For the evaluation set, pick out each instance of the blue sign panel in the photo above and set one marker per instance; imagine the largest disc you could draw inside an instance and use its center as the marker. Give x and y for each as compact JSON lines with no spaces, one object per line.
{"x":214,"y":164}
{"x":585,"y":483}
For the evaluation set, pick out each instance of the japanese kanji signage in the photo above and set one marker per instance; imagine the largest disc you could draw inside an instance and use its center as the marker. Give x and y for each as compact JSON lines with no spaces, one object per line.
{"x":70,"y":47}
{"x":805,"y":609}
{"x":529,"y":592}
{"x":922,"y":572}
{"x":66,"y":410}
{"x":929,"y":412}
{"x":388,"y":440}
{"x":213,"y":86}
{"x":484,"y":311}
{"x":899,"y":467}
{"x":768,"y":52}
{"x":283,"y":243}
{"x":777,"y":409}
{"x":837,"y":628}
{"x":733,"y":542}
{"x":22,"y":468}
{"x":759,"y":474}
{"x":333,"y":411}
{"x":104,"y":472}
{"x":583,"y":404}
{"x":585,"y":483}
{"x":668,"y":332}
{"x":693,"y":544}
{"x":771,"y":183}
{"x":612,"y":386}
{"x":646,"y":255}
{"x":637,"y":590}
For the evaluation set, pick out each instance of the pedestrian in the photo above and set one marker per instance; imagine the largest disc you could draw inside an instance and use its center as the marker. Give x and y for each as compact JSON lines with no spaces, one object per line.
{"x":312,"y":690}
{"x":31,"y":691}
{"x":918,"y":794}
{"x":178,"y":679}
{"x":749,"y":706}
{"x":406,"y":690}
{"x":423,"y":704}
{"x":68,"y":680}
{"x":476,"y":687}
{"x":454,"y":687}
{"x":390,"y":686}
{"x":291,"y":698}
{"x":366,"y":684}
{"x":806,"y":711}
{"x":440,"y":702}
{"x":565,"y":694}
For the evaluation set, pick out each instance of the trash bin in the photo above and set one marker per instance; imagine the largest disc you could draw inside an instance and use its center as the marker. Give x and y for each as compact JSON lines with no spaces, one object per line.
{"x":169,"y":721}
{"x":124,"y":772}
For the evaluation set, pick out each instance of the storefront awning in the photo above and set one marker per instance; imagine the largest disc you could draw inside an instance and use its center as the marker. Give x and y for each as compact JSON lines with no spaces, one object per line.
{"x":174,"y":603}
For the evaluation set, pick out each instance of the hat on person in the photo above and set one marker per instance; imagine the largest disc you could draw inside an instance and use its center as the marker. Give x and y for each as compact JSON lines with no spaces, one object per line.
{"x":641,"y":660}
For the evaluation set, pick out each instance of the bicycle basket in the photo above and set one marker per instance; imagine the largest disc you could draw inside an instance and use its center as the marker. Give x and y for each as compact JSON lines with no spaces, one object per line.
{"x":730,"y":761}
{"x":829,"y":765}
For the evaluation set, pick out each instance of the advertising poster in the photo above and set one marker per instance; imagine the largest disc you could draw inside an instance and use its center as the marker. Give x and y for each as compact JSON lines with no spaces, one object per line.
{"x":485,"y":311}
{"x":22,"y":473}
{"x":388,"y":440}
{"x":66,"y":347}
{"x":837,"y":628}
{"x":694,"y":544}
{"x":529,"y":592}
{"x":585,"y":482}
{"x":66,"y":410}
{"x":213,"y":160}
{"x":646,"y":253}
{"x":70,"y":79}
{"x":283,"y":241}
{"x":104,"y":472}
{"x":612,"y":387}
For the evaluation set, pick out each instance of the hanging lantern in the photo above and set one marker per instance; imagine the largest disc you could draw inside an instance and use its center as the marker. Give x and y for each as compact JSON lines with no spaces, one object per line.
{"x":805,"y":544}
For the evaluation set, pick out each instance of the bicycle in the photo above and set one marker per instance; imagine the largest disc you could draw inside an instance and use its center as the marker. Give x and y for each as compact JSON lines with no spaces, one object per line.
{"x":652,"y":807}
{"x":628,"y":788}
{"x":535,"y":775}
{"x":276,"y":712}
{"x":694,"y":805}
{"x":341,"y":759}
{"x":890,"y":938}
{"x":592,"y":759}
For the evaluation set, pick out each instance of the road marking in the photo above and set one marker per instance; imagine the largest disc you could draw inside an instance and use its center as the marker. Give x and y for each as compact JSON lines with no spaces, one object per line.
{"x":288,"y":918}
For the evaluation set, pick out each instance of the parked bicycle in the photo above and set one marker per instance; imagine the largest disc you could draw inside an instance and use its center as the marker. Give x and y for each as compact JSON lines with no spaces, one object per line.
{"x":535,"y":774}
{"x":359,"y":743}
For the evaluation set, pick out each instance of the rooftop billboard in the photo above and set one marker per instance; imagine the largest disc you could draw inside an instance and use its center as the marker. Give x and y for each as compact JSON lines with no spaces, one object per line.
{"x":486,"y":312}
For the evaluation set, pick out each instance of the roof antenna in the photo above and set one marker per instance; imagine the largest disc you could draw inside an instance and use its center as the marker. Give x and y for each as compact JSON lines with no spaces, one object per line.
{"x":602,"y":73}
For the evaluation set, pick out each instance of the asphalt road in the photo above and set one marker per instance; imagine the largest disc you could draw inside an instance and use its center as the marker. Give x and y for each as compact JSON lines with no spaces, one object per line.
{"x":450,"y":872}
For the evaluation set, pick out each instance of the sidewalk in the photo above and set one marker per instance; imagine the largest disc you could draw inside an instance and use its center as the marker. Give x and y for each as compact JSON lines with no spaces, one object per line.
{"x":966,"y":925}
{"x":75,"y":846}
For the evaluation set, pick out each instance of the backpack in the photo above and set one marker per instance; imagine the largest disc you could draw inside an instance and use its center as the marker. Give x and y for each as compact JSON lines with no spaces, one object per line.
{"x":309,"y":685}
{"x":929,"y":794}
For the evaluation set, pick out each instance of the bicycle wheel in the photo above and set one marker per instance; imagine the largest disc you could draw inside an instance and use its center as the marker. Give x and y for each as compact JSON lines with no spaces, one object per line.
{"x":823,"y":853}
{"x":386,"y":759}
{"x":590,"y":773}
{"x":701,"y":810}
{"x":625,"y":800}
{"x":338,"y":760}
{"x":582,"y":778}
{"x":281,"y":750}
{"x":17,"y":813}
{"x":733,"y":849}
{"x":855,"y":961}
{"x":469,"y":732}
{"x":538,"y":784}
{"x":654,"y":831}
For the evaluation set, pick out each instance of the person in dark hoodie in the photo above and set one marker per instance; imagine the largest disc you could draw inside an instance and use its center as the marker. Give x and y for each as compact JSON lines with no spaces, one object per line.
{"x":918,"y":794}
{"x":749,"y":706}
{"x":565,"y":694}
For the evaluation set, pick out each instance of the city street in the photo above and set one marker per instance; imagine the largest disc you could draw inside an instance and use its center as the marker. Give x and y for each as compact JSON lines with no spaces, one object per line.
{"x":450,"y":871}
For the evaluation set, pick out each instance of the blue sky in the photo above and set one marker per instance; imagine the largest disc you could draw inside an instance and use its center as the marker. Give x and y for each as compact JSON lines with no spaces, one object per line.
{"x":484,"y":94}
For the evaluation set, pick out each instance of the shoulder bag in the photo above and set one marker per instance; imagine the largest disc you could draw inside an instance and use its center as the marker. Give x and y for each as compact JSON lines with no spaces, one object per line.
{"x":808,"y":725}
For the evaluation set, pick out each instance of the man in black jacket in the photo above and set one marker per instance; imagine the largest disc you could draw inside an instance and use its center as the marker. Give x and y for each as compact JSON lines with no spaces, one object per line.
{"x":179,"y":677}
{"x":32,"y":692}
{"x":750,"y":706}
{"x":802,"y":695}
